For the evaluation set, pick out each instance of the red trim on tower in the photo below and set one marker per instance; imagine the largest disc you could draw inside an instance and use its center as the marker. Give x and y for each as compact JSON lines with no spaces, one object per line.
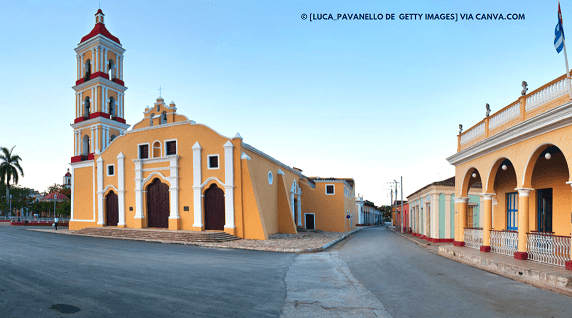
{"x":118,"y":81}
{"x":99,"y":74}
{"x":119,"y":119}
{"x":485,"y":249}
{"x":90,"y":156}
{"x":79,"y":158}
{"x":99,"y":114}
{"x":458,"y":243}
{"x":100,"y":28}
{"x":80,"y":81}
{"x":99,"y":11}
{"x":78,"y":120}
{"x":569,"y":265}
{"x":521,"y":255}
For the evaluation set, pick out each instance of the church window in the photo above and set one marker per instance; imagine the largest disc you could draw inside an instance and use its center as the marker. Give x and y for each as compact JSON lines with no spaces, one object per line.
{"x":213,"y":161}
{"x":158,"y":107}
{"x":171,"y":147}
{"x":86,"y":105}
{"x":144,"y":151}
{"x":151,"y":119}
{"x":87,"y":74}
{"x":156,"y":149}
{"x":163,"y":117}
{"x":330,"y":189}
{"x":110,"y":170}
{"x":270,"y":177}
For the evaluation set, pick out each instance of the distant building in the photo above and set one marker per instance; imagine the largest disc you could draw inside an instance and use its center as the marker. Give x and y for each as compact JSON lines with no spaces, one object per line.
{"x":432,"y":214}
{"x":67,"y":179}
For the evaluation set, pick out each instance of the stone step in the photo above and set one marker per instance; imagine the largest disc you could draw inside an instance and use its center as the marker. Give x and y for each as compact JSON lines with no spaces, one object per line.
{"x":164,"y":235}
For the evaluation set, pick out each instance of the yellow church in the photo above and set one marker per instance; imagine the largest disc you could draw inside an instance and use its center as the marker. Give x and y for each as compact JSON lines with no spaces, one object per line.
{"x":170,"y":172}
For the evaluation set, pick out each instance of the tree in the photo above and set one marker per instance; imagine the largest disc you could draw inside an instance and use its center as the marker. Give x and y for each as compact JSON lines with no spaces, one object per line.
{"x":9,"y":168}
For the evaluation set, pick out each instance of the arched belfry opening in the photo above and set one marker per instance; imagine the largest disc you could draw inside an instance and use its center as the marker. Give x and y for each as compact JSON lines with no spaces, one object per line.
{"x":163,"y":117}
{"x":85,"y":146}
{"x":111,"y":69}
{"x":112,"y":111}
{"x":87,"y":66}
{"x":86,"y":107}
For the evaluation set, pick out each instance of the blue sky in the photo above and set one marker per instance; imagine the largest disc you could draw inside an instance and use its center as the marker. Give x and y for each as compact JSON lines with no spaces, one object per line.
{"x":372,"y":100}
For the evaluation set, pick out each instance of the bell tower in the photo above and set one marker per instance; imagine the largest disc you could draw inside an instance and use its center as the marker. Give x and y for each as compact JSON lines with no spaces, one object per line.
{"x":99,"y":91}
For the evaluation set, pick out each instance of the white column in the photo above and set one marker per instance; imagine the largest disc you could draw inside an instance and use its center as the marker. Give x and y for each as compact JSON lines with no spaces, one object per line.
{"x":78,"y":67}
{"x":91,"y":141}
{"x":120,"y":97}
{"x":448,"y":233}
{"x":121,"y":187}
{"x":174,"y":189}
{"x":106,"y":62}
{"x":299,"y":207}
{"x":116,"y":65}
{"x":104,"y":103}
{"x":99,"y":191}
{"x":97,"y":139}
{"x":81,"y":65}
{"x":93,"y":60}
{"x":197,"y":197}
{"x":121,"y":71}
{"x":81,"y":105}
{"x":229,"y":185}
{"x":138,"y":190}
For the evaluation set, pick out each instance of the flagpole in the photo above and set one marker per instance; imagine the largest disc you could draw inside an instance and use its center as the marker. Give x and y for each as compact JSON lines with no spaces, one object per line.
{"x":567,"y":69}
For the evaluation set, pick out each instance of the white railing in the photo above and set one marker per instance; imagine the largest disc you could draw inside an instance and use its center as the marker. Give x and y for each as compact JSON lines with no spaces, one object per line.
{"x":473,"y":133}
{"x":504,"y":242}
{"x":547,"y":94}
{"x":547,"y":248}
{"x":504,"y":116}
{"x":473,"y":238}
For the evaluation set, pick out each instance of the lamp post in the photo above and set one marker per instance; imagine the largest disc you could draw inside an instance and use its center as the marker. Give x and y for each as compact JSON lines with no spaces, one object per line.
{"x":55,"y":198}
{"x":10,"y":206}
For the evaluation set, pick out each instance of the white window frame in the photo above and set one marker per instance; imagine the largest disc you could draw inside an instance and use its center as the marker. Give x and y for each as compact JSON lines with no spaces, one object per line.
{"x":153,"y":149}
{"x":148,"y":148}
{"x":107,"y":170}
{"x":176,"y":148}
{"x":270,"y":177}
{"x":306,"y":225}
{"x":209,"y":162}
{"x":326,"y":189}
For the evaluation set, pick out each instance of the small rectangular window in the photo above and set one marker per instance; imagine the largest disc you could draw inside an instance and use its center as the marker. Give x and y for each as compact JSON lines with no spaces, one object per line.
{"x":143,"y":151}
{"x":171,"y":147}
{"x":213,"y":161}
{"x":330,"y":189}
{"x":110,"y":170}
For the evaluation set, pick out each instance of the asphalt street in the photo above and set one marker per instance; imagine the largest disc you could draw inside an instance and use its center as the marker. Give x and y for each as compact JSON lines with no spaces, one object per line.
{"x":114,"y":278}
{"x":410,"y":281}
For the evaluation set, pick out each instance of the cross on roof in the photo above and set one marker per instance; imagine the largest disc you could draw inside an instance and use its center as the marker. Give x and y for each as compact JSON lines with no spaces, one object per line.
{"x":160,"y":89}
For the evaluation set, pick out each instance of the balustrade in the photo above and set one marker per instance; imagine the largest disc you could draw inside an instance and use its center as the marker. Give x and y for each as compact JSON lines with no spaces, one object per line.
{"x":504,"y":242}
{"x":473,"y":237}
{"x":548,"y":248}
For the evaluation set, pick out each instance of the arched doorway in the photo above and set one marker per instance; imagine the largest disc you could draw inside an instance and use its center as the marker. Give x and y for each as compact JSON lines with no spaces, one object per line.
{"x":112,"y":209}
{"x":85,"y":146}
{"x":158,"y":204}
{"x":214,"y":208}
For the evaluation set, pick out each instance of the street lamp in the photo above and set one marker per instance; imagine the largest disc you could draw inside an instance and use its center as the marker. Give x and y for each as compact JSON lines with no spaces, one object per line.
{"x":55,"y":198}
{"x":10,"y":206}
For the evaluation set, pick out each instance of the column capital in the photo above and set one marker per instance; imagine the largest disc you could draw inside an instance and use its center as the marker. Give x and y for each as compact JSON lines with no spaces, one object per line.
{"x":569,"y":183}
{"x":487,"y":196}
{"x":461,"y":199}
{"x":523,"y":191}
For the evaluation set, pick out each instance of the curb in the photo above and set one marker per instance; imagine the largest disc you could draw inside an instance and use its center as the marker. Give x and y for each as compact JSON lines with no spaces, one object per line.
{"x":215,"y":245}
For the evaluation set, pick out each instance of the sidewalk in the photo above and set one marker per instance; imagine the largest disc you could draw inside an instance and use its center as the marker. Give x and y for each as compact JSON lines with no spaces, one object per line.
{"x":549,"y":277}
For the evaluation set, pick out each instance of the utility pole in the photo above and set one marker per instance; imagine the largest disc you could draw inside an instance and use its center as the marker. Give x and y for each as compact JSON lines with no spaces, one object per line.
{"x":402,"y":214}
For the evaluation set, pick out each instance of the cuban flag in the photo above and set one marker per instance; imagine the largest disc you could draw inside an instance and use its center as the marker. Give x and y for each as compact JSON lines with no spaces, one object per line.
{"x":559,"y":32}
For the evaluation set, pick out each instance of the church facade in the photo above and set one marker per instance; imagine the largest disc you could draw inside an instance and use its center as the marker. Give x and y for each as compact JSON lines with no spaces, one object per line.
{"x":170,"y":172}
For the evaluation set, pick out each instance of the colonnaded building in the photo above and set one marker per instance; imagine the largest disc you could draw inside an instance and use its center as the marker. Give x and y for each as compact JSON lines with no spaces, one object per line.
{"x":522,"y":156}
{"x":171,"y":172}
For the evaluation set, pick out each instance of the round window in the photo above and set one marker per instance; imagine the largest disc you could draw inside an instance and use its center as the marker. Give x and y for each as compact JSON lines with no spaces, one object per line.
{"x":270,"y":177}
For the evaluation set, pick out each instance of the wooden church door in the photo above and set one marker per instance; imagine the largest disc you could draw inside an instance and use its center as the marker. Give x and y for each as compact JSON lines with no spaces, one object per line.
{"x":214,"y":208}
{"x":158,"y":204}
{"x":112,"y":209}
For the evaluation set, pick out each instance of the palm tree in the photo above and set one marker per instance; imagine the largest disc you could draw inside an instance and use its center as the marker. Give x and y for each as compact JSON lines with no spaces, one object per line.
{"x":9,"y":167}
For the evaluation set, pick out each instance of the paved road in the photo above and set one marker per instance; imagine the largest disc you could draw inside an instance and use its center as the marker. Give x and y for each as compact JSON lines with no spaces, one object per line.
{"x":410,"y":281}
{"x":113,"y":278}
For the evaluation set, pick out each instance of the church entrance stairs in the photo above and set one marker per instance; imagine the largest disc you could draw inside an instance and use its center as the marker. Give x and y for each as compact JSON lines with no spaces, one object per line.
{"x":160,"y":235}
